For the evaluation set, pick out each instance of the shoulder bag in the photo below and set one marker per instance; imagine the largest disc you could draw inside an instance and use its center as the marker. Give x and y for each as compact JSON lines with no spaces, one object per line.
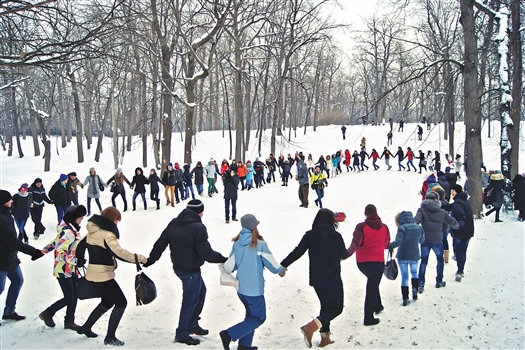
{"x":87,"y":289}
{"x":391,"y":269}
{"x":145,"y":289}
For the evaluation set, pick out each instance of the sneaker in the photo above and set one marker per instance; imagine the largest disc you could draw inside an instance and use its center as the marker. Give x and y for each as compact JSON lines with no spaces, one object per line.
{"x":113,"y":341}
{"x":458,"y":277}
{"x":234,"y":219}
{"x":14,"y":316}
{"x":441,"y":284}
{"x":48,"y":320}
{"x":71,"y":325}
{"x":227,"y":221}
{"x":198,"y":330}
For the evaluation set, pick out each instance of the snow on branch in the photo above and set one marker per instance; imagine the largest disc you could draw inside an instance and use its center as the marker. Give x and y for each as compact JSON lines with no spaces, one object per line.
{"x":13,"y":83}
{"x":42,"y":114}
{"x":177,"y":97}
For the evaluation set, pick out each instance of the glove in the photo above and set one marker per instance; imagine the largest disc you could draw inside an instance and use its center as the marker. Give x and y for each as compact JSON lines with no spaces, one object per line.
{"x":36,"y":255}
{"x":312,"y":187}
{"x":148,"y":263}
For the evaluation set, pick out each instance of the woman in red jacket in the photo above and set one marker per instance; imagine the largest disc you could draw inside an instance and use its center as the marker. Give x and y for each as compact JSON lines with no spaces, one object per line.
{"x":371,"y":238}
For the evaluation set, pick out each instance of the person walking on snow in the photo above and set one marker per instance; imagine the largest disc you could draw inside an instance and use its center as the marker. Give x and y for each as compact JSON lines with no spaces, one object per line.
{"x":363,"y":156}
{"x":343,"y":130}
{"x":72,"y":186}
{"x":187,"y":180}
{"x":462,"y":212}
{"x":154,"y":187}
{"x":187,"y":238}
{"x":408,"y":237}
{"x":318,"y":182}
{"x":302,"y":177}
{"x":375,"y":156}
{"x":138,"y":184}
{"x":348,"y":161}
{"x":169,"y":181}
{"x":38,"y":192}
{"x":94,"y":182}
{"x":250,"y":256}
{"x":419,"y":133}
{"x":326,"y":249}
{"x":198,"y":173}
{"x":119,"y":178}
{"x":410,"y":157}
{"x":231,"y":186}
{"x":386,"y":153}
{"x":400,"y":156}
{"x":60,"y":196}
{"x":22,"y":203}
{"x":432,"y":218}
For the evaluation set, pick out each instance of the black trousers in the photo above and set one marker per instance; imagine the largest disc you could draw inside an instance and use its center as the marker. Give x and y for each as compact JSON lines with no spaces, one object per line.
{"x":115,"y":194}
{"x":112,"y":294}
{"x":373,"y":272}
{"x":36,"y":217}
{"x":69,"y":289}
{"x":331,"y":305}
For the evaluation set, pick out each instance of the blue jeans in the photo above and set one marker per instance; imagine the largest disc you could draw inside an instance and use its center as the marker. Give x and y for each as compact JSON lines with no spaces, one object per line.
{"x":75,"y":201}
{"x":17,"y":279}
{"x":409,"y":163}
{"x":460,"y":247}
{"x":21,"y":224}
{"x":400,"y":165}
{"x":187,"y":192}
{"x":445,"y":240}
{"x":320,"y":195}
{"x":142,"y":195}
{"x":425,"y":251}
{"x":193,"y":295}
{"x":227,"y":208}
{"x":255,"y":316}
{"x":61,"y":209}
{"x":200,"y":189}
{"x":403,"y":267}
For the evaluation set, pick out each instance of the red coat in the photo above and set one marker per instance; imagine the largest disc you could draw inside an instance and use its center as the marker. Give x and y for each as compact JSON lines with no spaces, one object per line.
{"x":348,"y":157}
{"x":410,"y":154}
{"x":370,"y":240}
{"x":374,"y":155}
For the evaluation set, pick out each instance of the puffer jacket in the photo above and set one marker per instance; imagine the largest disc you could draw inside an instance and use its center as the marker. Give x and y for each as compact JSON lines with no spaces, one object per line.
{"x":21,"y":205}
{"x":169,"y":177}
{"x":39,"y":195}
{"x":302,"y":173}
{"x":64,"y":245}
{"x":462,"y":212}
{"x":59,"y":194}
{"x":408,"y":237}
{"x":103,"y":247}
{"x":433,"y":219}
{"x":496,"y":184}
{"x":139,"y":181}
{"x":249,"y":262}
{"x":210,"y":170}
{"x":370,"y":239}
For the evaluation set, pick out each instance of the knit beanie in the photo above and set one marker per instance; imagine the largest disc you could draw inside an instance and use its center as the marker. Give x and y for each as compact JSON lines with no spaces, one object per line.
{"x":119,"y":170}
{"x":170,"y":164}
{"x":457,"y":188}
{"x":431,"y":195}
{"x":72,"y":174}
{"x":249,"y":221}
{"x":92,"y":169}
{"x":5,"y":197}
{"x":74,"y":212}
{"x":195,"y":205}
{"x":63,"y":177}
{"x":24,"y":186}
{"x":37,"y":180}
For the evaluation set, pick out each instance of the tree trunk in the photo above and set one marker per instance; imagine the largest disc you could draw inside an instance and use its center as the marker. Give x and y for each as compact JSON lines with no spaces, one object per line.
{"x":61,"y":103}
{"x":472,"y":106}
{"x":15,"y":121}
{"x":517,"y":83}
{"x":78,"y":120}
{"x":144,"y":120}
{"x":107,"y":112}
{"x":154,"y":114}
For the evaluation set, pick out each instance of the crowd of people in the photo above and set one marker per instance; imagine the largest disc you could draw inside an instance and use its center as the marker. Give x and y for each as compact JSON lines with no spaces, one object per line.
{"x":444,"y":210}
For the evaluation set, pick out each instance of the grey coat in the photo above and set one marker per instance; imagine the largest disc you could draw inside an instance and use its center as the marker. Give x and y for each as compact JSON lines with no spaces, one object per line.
{"x":92,"y":182}
{"x":433,"y":220}
{"x":408,"y":237}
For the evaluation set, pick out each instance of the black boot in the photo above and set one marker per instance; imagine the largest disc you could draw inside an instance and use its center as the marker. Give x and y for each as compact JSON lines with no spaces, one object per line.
{"x":95,"y":315}
{"x":114,"y":320}
{"x":134,"y":206}
{"x":404,"y":292}
{"x":415,"y":285}
{"x":158,"y":204}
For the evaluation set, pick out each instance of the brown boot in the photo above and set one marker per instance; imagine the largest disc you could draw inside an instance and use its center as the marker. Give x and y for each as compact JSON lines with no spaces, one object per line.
{"x":309,"y":329}
{"x":325,"y":339}
{"x":446,"y":255}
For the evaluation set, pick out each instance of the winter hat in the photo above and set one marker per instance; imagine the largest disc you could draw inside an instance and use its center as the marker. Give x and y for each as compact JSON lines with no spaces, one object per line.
{"x":91,"y":169}
{"x":249,"y":221}
{"x":24,"y":186}
{"x":119,"y":170}
{"x":63,"y":177}
{"x":153,"y":169}
{"x":431,"y":178}
{"x":170,"y":164}
{"x":72,"y":174}
{"x":5,"y":197}
{"x":176,"y":165}
{"x":199,"y":163}
{"x":195,"y":205}
{"x":457,"y":188}
{"x":74,"y":212}
{"x":37,"y":180}
{"x":431,"y":195}
{"x":211,"y":160}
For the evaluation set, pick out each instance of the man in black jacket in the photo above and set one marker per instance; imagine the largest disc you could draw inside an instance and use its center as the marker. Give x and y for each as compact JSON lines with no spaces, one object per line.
{"x":462,"y":212}
{"x":9,"y":263}
{"x":38,"y":192}
{"x":188,"y":240}
{"x":60,"y":196}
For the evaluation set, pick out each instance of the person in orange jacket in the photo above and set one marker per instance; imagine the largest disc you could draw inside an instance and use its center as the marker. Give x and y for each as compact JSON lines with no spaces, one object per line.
{"x":241,"y":172}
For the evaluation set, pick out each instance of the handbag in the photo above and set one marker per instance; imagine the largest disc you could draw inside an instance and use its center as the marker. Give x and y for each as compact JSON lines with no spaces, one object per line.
{"x":113,"y":188}
{"x":145,"y":290}
{"x":100,"y":185}
{"x":87,"y":289}
{"x":423,"y":162}
{"x":227,"y":279}
{"x":391,"y":269}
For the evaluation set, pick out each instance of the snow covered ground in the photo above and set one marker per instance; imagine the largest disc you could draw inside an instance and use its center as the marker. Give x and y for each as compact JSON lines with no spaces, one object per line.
{"x":485,"y":310}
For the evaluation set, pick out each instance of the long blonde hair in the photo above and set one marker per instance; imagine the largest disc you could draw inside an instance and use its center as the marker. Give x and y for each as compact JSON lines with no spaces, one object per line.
{"x":255,"y":237}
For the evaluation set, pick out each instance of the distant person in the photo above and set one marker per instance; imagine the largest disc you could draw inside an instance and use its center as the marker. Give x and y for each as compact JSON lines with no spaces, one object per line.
{"x":154,"y":187}
{"x":138,"y":185}
{"x":343,"y":130}
{"x":94,"y":182}
{"x":400,"y":156}
{"x":326,"y":249}
{"x":389,"y":138}
{"x":118,"y":189}
{"x":302,"y":177}
{"x":187,"y":238}
{"x":391,"y":123}
{"x":495,"y":188}
{"x":386,"y":153}
{"x":419,"y":133}
{"x":169,"y":180}
{"x":318,"y":182}
{"x":22,"y":203}
{"x":401,"y":124}
{"x":231,"y":187}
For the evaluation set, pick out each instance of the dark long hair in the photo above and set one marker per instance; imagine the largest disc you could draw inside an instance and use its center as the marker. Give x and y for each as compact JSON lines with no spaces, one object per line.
{"x":325,"y":217}
{"x":370,"y":209}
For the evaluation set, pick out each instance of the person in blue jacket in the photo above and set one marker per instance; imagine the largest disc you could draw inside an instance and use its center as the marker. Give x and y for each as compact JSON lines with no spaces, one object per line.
{"x":250,"y":255}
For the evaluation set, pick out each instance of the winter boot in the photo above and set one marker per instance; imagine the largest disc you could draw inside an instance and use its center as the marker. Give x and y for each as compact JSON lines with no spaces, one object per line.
{"x":114,"y":320}
{"x":446,"y":254}
{"x":415,"y":285}
{"x":325,"y":339}
{"x":145,"y":206}
{"x":421,"y":287}
{"x":404,"y":292}
{"x":158,"y":204}
{"x":48,"y":320}
{"x":95,"y":315}
{"x":309,"y":329}
{"x":134,"y":206}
